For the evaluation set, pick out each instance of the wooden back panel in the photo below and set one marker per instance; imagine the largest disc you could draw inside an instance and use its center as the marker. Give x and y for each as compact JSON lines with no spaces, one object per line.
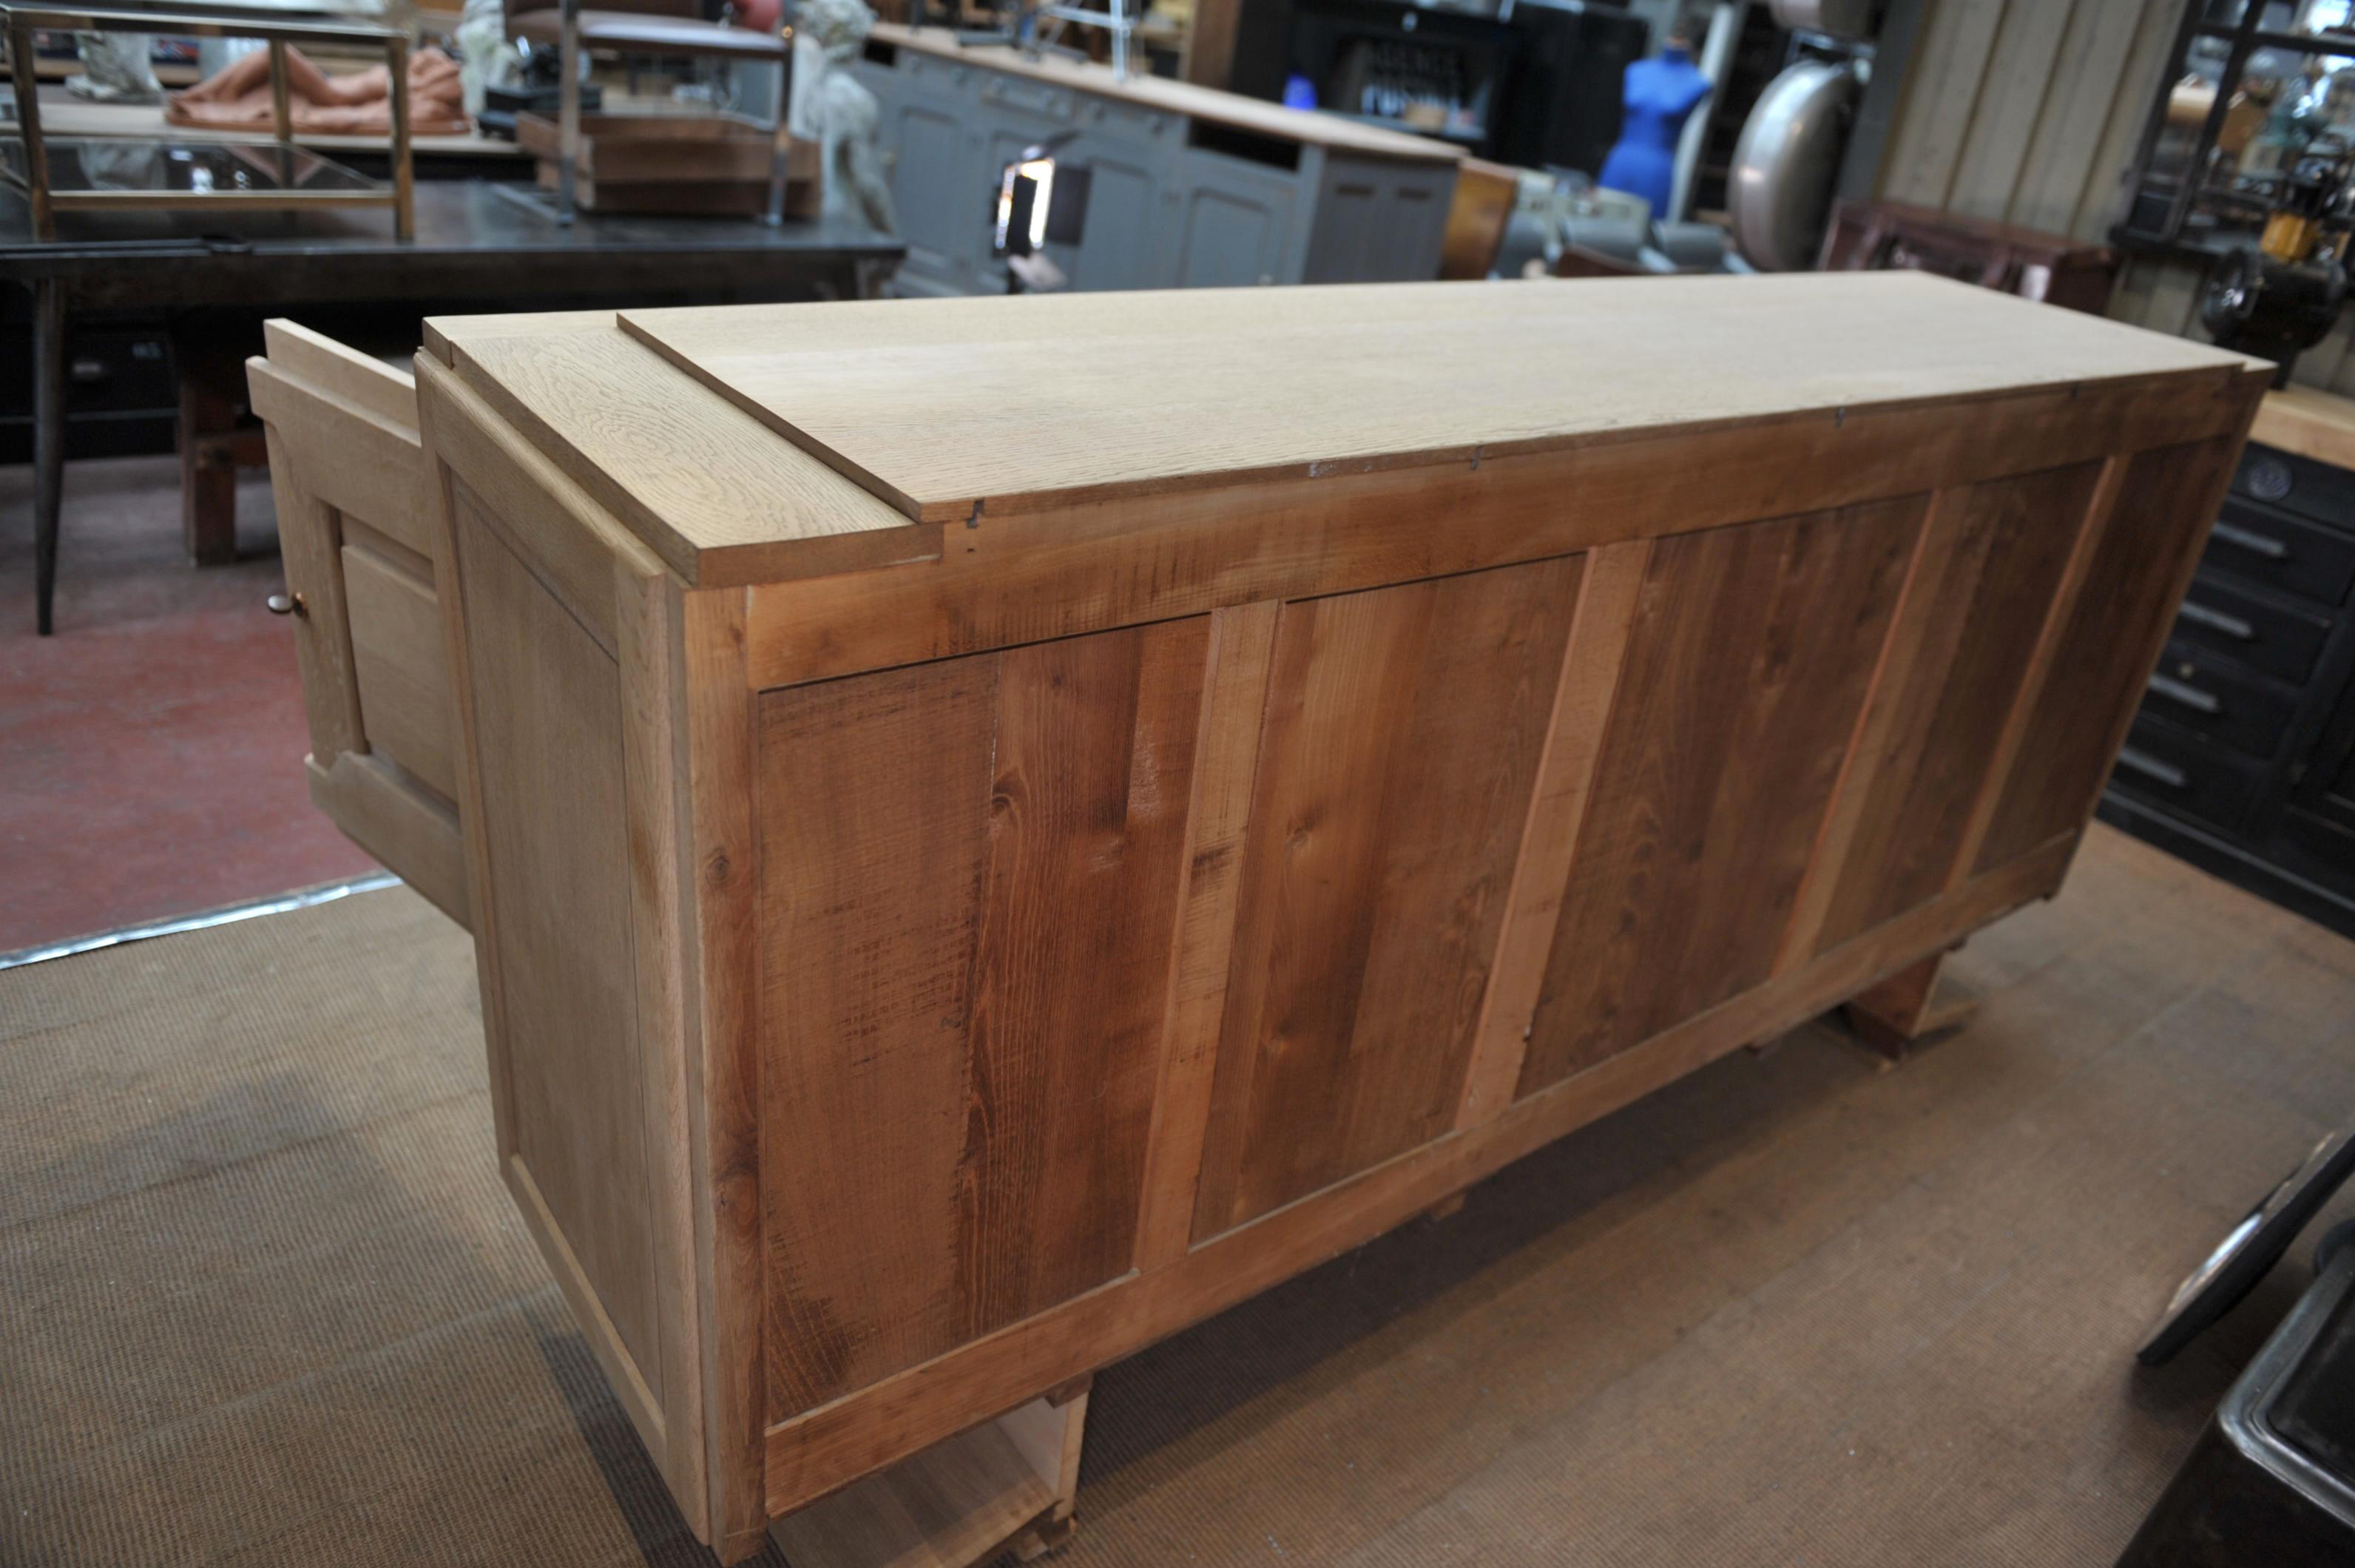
{"x":1750,"y":652}
{"x":972,"y":878}
{"x":349,"y":479}
{"x":1469,"y":859}
{"x":1036,"y":946}
{"x":1400,"y":747}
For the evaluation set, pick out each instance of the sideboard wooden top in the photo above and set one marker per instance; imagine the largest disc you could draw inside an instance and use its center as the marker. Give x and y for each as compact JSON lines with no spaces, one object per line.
{"x":758,"y":442}
{"x":1186,"y":98}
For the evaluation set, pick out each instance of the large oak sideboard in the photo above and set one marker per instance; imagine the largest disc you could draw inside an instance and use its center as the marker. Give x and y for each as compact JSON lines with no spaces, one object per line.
{"x":997,"y":829}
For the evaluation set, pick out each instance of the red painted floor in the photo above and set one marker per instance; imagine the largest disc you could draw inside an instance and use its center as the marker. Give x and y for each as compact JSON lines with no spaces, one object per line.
{"x":151,"y":752}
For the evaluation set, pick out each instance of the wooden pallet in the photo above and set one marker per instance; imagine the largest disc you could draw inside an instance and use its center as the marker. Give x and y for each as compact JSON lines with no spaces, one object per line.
{"x":1011,"y":1483}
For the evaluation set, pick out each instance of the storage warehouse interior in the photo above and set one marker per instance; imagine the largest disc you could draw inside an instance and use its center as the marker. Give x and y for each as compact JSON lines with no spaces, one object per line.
{"x":911,"y":783}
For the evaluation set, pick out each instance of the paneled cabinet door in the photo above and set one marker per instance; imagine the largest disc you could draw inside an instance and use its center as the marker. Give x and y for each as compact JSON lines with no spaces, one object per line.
{"x":1127,"y":243}
{"x":938,"y":193}
{"x":1235,"y":223}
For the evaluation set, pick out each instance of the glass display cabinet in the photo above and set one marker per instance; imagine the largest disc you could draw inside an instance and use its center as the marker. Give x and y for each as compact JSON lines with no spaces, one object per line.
{"x":184,"y":172}
{"x":2257,"y":89}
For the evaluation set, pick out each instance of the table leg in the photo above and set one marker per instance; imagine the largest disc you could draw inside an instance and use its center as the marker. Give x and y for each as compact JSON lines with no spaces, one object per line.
{"x":207,"y":470}
{"x":48,"y":442}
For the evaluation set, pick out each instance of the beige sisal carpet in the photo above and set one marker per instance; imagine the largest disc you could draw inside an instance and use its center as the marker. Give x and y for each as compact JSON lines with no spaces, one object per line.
{"x":262,"y":1300}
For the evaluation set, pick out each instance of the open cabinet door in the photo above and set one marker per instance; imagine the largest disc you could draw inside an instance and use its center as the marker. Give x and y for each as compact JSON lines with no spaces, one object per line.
{"x":349,"y":477}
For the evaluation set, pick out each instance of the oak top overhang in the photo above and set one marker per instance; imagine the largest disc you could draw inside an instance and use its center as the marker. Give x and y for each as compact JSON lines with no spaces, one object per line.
{"x":753,"y":443}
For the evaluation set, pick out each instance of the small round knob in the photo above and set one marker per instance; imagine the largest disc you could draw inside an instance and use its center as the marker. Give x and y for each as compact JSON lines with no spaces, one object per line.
{"x":287,"y":604}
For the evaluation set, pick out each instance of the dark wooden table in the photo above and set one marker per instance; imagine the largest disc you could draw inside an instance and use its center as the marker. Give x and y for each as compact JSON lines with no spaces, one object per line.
{"x":477,"y":248}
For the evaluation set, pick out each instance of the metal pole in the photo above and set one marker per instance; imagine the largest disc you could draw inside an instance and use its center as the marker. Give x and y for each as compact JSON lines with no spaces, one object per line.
{"x":282,"y":113}
{"x":28,"y":121}
{"x":781,"y":136}
{"x":404,"y":217}
{"x":568,"y":119}
{"x":48,"y":442}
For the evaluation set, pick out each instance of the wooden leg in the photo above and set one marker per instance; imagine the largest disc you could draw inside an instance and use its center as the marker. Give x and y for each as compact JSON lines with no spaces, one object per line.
{"x":208,"y":425}
{"x":1446,"y":1208}
{"x":1011,"y":1484}
{"x":48,"y":443}
{"x":1907,"y":1008}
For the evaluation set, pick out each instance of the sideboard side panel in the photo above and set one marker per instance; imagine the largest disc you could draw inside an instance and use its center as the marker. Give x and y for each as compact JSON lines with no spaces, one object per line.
{"x":560,"y":636}
{"x":970,"y":872}
{"x":1745,"y":671}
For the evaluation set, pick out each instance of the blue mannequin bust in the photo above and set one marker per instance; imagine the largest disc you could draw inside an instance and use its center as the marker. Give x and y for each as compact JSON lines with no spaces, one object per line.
{"x":1660,"y":94}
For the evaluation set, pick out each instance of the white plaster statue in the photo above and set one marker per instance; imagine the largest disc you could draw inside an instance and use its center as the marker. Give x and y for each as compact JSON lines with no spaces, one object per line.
{"x":115,"y":68}
{"x":486,"y":57}
{"x":833,"y":109}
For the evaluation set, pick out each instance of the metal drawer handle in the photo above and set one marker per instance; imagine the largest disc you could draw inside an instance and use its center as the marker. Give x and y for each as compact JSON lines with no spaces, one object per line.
{"x":286,"y":604}
{"x":2192,"y":696}
{"x":2150,"y":766}
{"x":2255,"y":543}
{"x":2217,"y":621}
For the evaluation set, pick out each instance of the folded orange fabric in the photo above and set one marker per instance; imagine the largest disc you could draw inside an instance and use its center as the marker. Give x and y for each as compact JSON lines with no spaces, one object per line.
{"x":237,"y":98}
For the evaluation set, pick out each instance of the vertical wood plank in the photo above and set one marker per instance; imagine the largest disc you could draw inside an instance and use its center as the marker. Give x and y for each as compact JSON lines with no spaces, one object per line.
{"x":548,"y":703}
{"x":1242,"y":644}
{"x":1868,"y":750}
{"x":2144,"y":561}
{"x":2032,"y":681}
{"x":1210,"y":41}
{"x":1094,"y":777}
{"x":645,"y":602}
{"x":2151,"y":25}
{"x":1745,"y":674}
{"x":873,"y":852}
{"x":1344,"y":668}
{"x":395,"y":638}
{"x":2025,"y":56}
{"x":2059,"y":162}
{"x":1994,"y":559}
{"x":719,"y":877}
{"x":450,"y":592}
{"x":1942,"y":105}
{"x":1404,"y":727}
{"x":1590,"y":663}
{"x":970,"y":886}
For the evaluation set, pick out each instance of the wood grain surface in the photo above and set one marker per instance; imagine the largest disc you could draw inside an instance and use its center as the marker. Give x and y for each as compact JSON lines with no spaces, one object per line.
{"x":1356,"y":737}
{"x":1400,"y":750}
{"x":971,"y":874}
{"x":2141,"y":564}
{"x":1992,"y":563}
{"x":941,"y":407}
{"x":551,"y":814}
{"x":1747,"y":664}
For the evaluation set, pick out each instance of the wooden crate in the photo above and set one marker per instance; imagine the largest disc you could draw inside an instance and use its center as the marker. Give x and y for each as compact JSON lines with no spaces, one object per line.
{"x":711,"y":165}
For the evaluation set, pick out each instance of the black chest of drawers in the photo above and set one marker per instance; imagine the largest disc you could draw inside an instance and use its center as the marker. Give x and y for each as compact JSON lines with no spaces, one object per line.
{"x":2241,"y":759}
